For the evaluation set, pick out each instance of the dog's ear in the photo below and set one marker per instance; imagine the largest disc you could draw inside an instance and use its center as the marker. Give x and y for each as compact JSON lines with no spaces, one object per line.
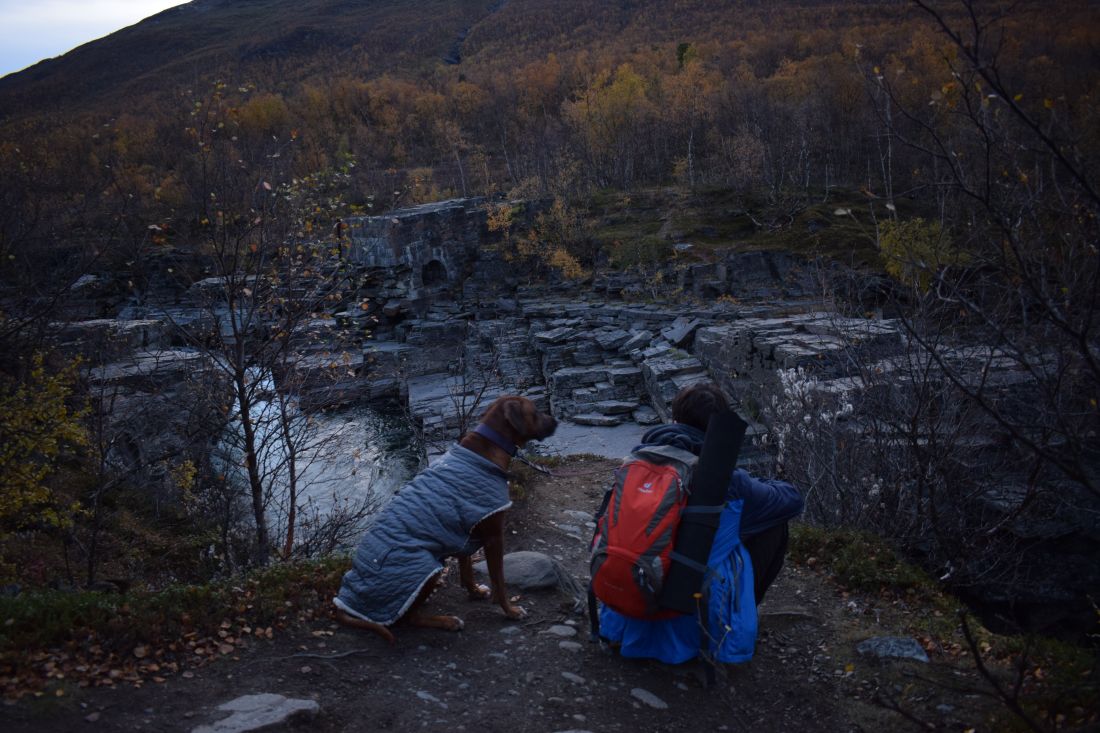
{"x":515,"y":415}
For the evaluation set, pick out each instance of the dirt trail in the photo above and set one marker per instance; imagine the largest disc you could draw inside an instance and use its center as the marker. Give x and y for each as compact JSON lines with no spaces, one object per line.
{"x":501,"y":675}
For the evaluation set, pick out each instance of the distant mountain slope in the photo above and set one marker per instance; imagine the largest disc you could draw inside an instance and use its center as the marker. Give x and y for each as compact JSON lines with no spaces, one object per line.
{"x":291,"y":39}
{"x":424,"y":99}
{"x":283,"y":43}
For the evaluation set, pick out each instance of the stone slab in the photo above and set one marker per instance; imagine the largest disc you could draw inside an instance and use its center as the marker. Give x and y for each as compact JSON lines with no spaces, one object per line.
{"x":256,"y":712}
{"x":597,"y":419}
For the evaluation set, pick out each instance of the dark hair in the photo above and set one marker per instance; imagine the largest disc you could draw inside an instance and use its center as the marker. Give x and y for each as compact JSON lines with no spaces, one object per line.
{"x":695,"y":403}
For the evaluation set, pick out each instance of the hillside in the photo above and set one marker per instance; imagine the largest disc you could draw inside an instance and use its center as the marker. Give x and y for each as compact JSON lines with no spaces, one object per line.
{"x":282,"y":40}
{"x":280,"y":44}
{"x":415,"y":102}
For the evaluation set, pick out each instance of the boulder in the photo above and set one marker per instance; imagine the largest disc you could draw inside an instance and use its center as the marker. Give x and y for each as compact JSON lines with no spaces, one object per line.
{"x":638,"y":340}
{"x":679,"y":334}
{"x":526,"y":569}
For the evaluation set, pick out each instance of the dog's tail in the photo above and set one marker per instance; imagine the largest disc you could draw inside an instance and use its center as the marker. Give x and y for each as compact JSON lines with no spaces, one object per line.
{"x":348,"y":620}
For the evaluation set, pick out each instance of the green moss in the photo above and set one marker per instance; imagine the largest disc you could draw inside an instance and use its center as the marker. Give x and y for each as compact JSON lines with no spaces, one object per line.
{"x":628,"y":226}
{"x":857,"y":560}
{"x":639,"y":252}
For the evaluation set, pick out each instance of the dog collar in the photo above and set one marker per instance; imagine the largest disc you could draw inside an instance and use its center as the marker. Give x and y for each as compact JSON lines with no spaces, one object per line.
{"x":494,"y":437}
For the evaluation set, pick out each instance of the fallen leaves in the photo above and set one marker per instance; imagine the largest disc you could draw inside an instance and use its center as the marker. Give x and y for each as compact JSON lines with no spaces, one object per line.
{"x":92,"y":664}
{"x":149,"y":643}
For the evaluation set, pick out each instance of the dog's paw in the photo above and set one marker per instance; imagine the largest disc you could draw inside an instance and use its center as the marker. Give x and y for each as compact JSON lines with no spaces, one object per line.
{"x":452,"y":623}
{"x":515,"y":612}
{"x":479,"y":592}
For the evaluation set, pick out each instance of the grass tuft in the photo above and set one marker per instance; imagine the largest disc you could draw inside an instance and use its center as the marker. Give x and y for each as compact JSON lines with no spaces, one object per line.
{"x":43,"y":619}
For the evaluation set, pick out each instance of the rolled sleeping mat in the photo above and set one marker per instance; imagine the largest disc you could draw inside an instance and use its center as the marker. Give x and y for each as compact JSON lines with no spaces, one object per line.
{"x":699,"y":520}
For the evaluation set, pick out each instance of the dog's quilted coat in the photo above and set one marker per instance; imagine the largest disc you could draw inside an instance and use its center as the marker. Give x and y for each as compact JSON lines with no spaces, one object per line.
{"x":428,"y":520}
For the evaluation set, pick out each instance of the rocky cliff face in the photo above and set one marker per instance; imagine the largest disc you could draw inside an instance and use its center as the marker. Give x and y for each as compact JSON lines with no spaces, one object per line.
{"x":421,"y":254}
{"x":435,"y":323}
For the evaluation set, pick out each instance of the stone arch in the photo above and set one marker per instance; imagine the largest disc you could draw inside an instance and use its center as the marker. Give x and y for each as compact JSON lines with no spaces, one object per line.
{"x":434,"y":273}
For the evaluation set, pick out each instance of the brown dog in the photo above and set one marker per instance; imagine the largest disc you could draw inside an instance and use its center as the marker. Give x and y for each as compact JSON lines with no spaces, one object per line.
{"x":451,"y":509}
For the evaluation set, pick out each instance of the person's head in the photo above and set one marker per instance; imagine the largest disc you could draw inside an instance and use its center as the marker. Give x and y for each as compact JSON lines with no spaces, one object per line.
{"x":694,"y":404}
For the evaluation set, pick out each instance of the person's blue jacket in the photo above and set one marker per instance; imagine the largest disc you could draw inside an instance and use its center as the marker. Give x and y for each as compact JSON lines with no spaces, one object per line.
{"x":752,"y":506}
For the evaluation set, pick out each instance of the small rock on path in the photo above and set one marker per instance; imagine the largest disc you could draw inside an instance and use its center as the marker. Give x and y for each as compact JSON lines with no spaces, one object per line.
{"x":256,"y":712}
{"x":648,"y":698}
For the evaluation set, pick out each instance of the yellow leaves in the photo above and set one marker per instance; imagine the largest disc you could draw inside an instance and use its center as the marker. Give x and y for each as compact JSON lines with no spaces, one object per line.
{"x":183,"y":475}
{"x":565,"y":263}
{"x":612,"y":107}
{"x":915,"y":250}
{"x":500,"y":217}
{"x":264,"y":114}
{"x":36,"y":424}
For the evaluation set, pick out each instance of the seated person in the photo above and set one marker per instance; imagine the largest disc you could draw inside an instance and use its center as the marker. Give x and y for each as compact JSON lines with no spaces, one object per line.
{"x":751,"y":540}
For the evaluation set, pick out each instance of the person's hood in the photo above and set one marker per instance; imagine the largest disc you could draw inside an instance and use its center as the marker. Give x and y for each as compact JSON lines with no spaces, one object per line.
{"x":677,"y":435}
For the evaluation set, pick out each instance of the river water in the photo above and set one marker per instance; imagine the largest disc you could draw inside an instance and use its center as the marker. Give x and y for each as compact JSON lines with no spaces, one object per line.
{"x":347,"y":463}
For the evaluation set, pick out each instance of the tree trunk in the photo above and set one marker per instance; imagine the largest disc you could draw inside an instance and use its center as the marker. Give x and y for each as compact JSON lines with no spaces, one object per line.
{"x":252,"y":465}
{"x":292,"y":476}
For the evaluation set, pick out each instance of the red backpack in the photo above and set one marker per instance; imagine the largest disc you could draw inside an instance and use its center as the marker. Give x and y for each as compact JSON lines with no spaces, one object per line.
{"x":636,"y":530}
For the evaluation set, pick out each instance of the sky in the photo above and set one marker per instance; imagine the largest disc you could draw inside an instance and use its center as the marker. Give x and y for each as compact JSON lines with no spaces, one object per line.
{"x":32,"y":30}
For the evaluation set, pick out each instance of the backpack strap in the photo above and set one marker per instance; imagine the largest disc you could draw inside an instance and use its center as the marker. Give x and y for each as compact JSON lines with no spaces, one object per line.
{"x":664,"y":454}
{"x":593,"y":616}
{"x":704,"y":509}
{"x":603,"y":506}
{"x":696,"y":566}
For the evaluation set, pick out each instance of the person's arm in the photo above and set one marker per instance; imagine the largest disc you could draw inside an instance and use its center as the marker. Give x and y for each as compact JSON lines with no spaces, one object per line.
{"x":768,"y":502}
